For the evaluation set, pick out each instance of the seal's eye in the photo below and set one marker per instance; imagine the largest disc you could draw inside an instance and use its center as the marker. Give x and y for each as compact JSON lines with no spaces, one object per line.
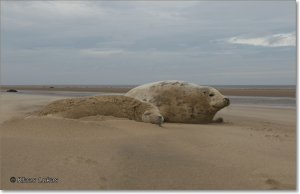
{"x":211,"y":95}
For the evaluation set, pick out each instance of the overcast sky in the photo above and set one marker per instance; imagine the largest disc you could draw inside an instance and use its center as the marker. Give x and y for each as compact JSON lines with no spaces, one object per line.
{"x":129,"y":42}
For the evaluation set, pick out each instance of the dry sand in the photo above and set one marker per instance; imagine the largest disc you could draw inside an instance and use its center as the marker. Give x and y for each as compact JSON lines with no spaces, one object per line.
{"x":254,"y":149}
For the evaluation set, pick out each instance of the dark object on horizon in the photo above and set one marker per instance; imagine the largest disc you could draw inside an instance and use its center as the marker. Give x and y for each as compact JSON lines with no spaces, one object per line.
{"x":51,"y":87}
{"x":11,"y":90}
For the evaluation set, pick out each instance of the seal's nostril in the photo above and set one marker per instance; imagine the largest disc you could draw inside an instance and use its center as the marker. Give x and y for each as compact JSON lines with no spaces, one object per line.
{"x":227,"y":100}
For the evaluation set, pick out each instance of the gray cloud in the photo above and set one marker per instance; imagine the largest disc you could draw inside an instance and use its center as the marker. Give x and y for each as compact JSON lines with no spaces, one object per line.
{"x":132,"y":42}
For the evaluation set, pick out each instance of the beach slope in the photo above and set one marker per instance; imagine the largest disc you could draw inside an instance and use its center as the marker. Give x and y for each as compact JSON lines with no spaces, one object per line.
{"x":255,"y":148}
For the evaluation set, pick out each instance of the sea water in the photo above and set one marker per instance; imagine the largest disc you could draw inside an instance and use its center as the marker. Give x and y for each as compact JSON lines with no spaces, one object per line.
{"x":280,"y":102}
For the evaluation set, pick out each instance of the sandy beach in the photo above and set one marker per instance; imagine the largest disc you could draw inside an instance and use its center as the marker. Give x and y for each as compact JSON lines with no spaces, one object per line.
{"x":148,"y":95}
{"x":255,"y":148}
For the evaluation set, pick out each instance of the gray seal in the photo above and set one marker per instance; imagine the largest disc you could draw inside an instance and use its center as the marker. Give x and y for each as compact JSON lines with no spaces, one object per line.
{"x":182,"y":102}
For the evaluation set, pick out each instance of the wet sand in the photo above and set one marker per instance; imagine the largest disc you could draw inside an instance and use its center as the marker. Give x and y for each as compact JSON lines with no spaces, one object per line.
{"x":260,"y":92}
{"x":255,"y":148}
{"x":122,"y":89}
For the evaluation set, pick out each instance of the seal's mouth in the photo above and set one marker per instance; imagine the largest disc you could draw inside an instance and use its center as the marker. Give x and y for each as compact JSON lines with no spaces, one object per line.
{"x":227,"y":101}
{"x":159,"y":120}
{"x":224,"y":103}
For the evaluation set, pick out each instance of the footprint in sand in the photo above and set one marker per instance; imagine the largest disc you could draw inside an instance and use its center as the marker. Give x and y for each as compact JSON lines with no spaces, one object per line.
{"x":274,"y":184}
{"x":271,"y":183}
{"x":103,"y":183}
{"x":273,"y":136}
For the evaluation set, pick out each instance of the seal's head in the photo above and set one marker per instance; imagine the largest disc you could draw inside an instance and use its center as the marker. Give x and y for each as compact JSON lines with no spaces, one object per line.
{"x":153,"y":116}
{"x":216,"y":99}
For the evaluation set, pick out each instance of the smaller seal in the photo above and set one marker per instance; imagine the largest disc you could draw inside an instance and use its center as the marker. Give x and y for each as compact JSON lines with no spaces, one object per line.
{"x":112,"y":105}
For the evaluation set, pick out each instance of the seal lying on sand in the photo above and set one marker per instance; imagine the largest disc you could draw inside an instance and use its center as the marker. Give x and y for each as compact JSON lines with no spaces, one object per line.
{"x":182,"y":102}
{"x":118,"y":106}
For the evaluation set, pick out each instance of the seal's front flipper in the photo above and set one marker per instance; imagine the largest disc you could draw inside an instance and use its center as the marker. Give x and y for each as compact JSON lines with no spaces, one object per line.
{"x":218,"y":120}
